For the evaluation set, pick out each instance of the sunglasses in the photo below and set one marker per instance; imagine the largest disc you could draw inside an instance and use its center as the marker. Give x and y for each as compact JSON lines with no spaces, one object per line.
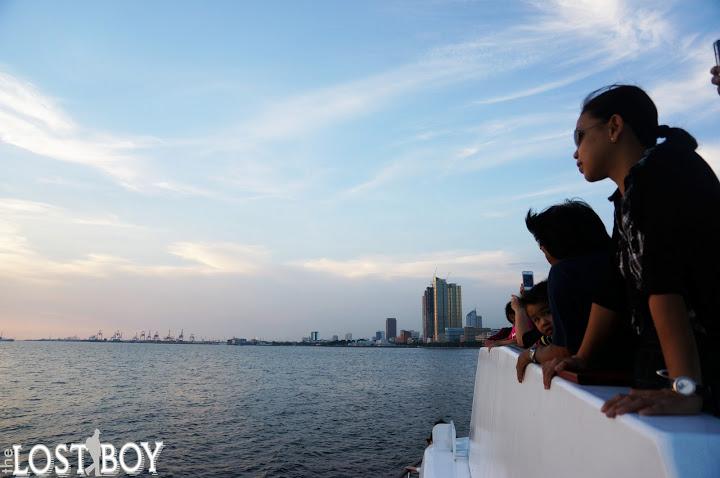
{"x":579,"y":134}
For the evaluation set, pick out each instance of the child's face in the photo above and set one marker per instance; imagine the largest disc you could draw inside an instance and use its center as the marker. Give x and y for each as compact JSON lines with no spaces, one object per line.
{"x":541,"y":317}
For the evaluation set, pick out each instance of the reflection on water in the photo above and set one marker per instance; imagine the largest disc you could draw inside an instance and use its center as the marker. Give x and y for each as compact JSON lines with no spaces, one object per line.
{"x":238,"y":411}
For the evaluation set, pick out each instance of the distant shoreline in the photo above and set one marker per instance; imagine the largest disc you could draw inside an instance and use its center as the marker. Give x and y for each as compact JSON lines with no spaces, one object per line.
{"x":471,"y":345}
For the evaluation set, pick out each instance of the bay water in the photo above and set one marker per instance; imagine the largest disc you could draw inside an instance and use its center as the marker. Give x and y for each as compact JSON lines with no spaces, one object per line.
{"x":265,"y":411}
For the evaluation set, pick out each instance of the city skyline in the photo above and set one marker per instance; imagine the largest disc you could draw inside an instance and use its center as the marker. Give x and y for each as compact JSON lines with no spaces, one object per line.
{"x":243,"y":169}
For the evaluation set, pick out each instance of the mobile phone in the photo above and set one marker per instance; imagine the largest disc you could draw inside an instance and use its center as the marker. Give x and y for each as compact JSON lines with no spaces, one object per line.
{"x":527,"y":282}
{"x":717,"y":52}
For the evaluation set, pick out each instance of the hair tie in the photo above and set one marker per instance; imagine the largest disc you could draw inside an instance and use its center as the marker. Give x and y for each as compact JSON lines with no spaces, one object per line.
{"x":663,"y":131}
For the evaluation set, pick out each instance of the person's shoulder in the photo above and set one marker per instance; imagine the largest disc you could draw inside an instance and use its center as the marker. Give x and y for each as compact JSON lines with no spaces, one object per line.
{"x":674,"y":163}
{"x":578,"y":264}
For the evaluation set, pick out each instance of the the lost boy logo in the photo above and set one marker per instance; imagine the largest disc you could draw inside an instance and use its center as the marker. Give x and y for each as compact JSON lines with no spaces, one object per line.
{"x":91,"y":458}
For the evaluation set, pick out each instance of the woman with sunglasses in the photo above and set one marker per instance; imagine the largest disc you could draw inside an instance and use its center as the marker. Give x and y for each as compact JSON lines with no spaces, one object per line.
{"x":667,"y":238}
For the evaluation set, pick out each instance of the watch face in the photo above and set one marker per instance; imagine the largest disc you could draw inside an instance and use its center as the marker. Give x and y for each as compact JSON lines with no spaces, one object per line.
{"x":684,"y":386}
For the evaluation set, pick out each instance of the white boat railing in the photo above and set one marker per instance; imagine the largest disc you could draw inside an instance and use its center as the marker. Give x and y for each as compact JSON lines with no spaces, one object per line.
{"x":521,"y":429}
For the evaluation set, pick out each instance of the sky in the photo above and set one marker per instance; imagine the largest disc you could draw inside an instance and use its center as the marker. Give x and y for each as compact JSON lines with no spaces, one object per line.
{"x":270,"y":168}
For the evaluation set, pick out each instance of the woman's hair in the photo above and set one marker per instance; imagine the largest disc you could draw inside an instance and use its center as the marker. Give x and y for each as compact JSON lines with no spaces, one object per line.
{"x":638,"y":111}
{"x":569,"y":229}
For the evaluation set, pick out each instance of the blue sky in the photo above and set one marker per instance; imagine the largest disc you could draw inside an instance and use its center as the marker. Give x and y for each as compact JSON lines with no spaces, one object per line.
{"x":273,"y":168}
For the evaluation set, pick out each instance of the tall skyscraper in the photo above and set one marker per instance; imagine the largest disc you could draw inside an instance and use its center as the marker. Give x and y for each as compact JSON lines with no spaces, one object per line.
{"x":455,"y":306}
{"x":446,"y":306}
{"x":473,"y":320}
{"x":440,"y":299}
{"x":390,"y":329}
{"x":428,"y":314}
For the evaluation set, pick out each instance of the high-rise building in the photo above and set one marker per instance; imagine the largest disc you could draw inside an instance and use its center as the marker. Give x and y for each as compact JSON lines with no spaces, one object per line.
{"x":428,"y":313}
{"x":447,"y":307}
{"x":379,"y":335}
{"x":313,"y":336}
{"x":472,"y":319}
{"x":390,"y":329}
{"x":454,"y":306}
{"x":440,"y":313}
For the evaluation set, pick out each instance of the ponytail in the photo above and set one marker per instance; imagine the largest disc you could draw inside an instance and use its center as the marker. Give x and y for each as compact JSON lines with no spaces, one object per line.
{"x":677,"y":137}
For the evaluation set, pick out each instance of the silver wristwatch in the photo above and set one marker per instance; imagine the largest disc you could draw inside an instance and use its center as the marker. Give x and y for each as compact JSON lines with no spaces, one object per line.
{"x":682,"y":385}
{"x":531,"y":353}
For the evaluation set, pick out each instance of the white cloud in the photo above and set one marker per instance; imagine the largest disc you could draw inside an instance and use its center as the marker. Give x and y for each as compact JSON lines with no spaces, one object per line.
{"x":688,"y":94}
{"x":494,"y":266}
{"x":21,"y":262}
{"x":614,"y":28}
{"x":386,"y":174}
{"x":223,"y":257}
{"x":18,"y":208}
{"x":32,"y":121}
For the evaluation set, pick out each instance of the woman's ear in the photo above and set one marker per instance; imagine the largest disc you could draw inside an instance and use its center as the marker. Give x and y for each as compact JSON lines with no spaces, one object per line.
{"x":616,"y":125}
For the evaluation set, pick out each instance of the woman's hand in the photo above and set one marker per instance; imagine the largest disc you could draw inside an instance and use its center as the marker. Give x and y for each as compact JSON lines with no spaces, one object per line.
{"x":653,"y":402}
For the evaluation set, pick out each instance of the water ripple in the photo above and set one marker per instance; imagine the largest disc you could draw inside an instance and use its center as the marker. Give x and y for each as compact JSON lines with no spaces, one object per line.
{"x":239,"y":411}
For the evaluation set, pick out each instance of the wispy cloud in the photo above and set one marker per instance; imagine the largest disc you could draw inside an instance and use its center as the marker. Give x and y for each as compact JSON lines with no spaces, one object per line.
{"x":20,"y":261}
{"x":583,"y":38}
{"x":491,"y":266}
{"x":690,"y":93}
{"x":34,"y":122}
{"x":17,"y":208}
{"x":222,"y":257}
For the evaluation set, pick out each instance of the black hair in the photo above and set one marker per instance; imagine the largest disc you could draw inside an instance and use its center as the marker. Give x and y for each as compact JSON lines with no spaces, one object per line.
{"x":509,"y":311}
{"x":637,"y":111}
{"x":569,"y":229}
{"x":537,"y":295}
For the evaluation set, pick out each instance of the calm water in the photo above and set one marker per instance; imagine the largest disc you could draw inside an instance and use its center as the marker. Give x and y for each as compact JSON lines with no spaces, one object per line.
{"x":238,"y":411}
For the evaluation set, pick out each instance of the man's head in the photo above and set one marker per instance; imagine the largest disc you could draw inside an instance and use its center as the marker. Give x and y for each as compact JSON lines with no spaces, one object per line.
{"x":537,"y":306}
{"x":509,"y":313}
{"x":568,"y":229}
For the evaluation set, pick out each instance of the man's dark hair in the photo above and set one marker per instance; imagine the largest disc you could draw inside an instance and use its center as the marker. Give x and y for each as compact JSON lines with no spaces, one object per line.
{"x":537,"y":295}
{"x":638,"y":111}
{"x":569,"y":229}
{"x":509,"y":312}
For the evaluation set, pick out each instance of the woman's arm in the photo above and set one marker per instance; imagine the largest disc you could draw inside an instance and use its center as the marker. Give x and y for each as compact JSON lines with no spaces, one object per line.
{"x":677,"y":341}
{"x":601,"y":324}
{"x":679,"y":349}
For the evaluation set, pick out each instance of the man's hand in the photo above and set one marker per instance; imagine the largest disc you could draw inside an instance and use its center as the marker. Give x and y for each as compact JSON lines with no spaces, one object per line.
{"x":549,"y":371}
{"x":715,"y":72}
{"x":556,"y":365}
{"x":490,"y":344}
{"x":652,"y":402}
{"x":522,"y":363}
